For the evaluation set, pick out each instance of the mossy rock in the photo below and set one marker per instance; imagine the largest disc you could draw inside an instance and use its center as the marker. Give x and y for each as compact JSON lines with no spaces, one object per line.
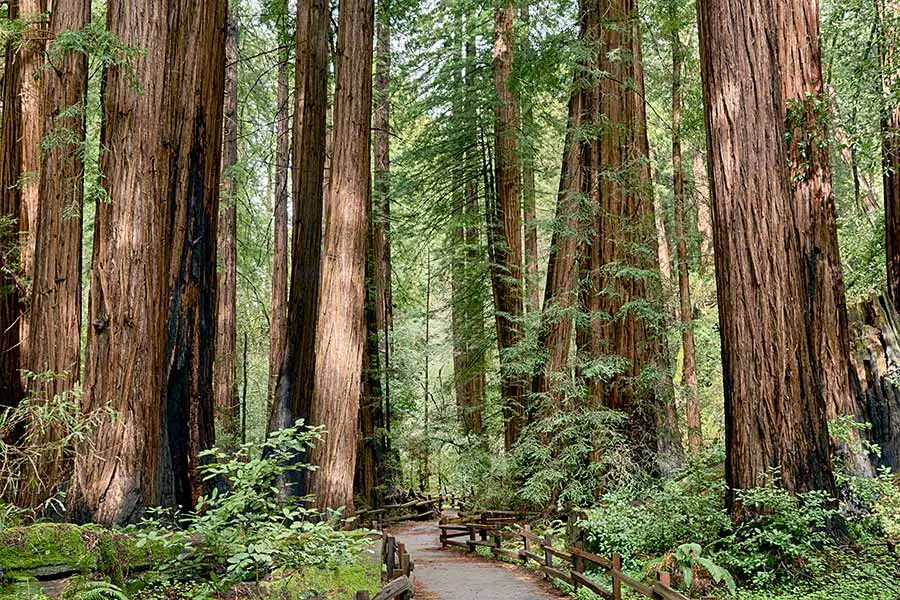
{"x":49,"y":550}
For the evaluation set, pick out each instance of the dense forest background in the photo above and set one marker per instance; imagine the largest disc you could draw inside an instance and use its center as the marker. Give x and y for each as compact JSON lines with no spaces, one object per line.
{"x":632,"y":261}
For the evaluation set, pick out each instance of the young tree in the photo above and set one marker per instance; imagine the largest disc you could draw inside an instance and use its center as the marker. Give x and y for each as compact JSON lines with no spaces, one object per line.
{"x":774,"y":409}
{"x":152,"y":317}
{"x":227,"y":408}
{"x":341,"y":329}
{"x":278,"y":319}
{"x":10,"y":202}
{"x":508,"y":224}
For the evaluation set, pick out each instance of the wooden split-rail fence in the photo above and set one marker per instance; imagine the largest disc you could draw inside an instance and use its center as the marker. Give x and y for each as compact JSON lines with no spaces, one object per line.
{"x":398,"y":567}
{"x":416,"y":507}
{"x":491,"y":530}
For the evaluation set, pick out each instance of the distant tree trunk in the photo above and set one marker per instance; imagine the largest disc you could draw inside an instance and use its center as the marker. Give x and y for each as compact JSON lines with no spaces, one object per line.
{"x":227,"y":408}
{"x":341,"y":328}
{"x":664,"y":256}
{"x":704,"y":216}
{"x":890,"y":140}
{"x":31,"y":62}
{"x":55,"y":326}
{"x":688,"y":369}
{"x":151,"y":341}
{"x":10,"y":203}
{"x":774,"y":410}
{"x":294,"y":391}
{"x":805,"y":106}
{"x":626,"y":221}
{"x":863,"y":185}
{"x":278,"y":319}
{"x":509,"y":304}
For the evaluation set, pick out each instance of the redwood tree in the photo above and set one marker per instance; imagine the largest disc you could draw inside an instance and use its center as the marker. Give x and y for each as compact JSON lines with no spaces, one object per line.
{"x":341,"y":333}
{"x":508,"y":224}
{"x":889,"y":13}
{"x":774,"y":409}
{"x":152,"y":313}
{"x":226,"y":403}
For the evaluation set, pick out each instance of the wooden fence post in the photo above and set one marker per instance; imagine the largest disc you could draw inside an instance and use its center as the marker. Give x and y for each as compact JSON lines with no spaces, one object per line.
{"x":404,"y":559}
{"x":361,"y":595}
{"x":526,"y":539}
{"x":548,"y":557}
{"x":578,"y":567}
{"x":664,"y":578}
{"x":471,"y":538}
{"x":389,"y":550}
{"x":616,"y":582}
{"x":483,"y":521}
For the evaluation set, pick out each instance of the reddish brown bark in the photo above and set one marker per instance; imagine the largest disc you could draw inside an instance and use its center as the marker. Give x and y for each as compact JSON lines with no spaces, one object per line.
{"x":278,"y":318}
{"x":774,"y":410}
{"x":151,"y":341}
{"x":341,"y":329}
{"x":10,"y":203}
{"x":225,"y":375}
{"x":686,"y":313}
{"x":294,"y":391}
{"x":55,"y":325}
{"x":508,"y":250}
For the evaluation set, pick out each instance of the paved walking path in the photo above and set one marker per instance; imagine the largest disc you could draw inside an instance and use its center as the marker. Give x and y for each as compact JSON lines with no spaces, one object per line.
{"x":452,"y":575}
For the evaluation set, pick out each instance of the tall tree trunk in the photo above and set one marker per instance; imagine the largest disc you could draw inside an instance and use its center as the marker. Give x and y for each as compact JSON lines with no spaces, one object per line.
{"x":227,"y":408}
{"x":294,"y":390}
{"x":31,"y":62}
{"x":774,"y":410}
{"x":529,"y":191}
{"x":151,"y":342}
{"x":805,"y":106}
{"x":890,"y":140}
{"x":664,"y":256}
{"x":278,"y":319}
{"x":341,"y":328}
{"x":626,"y":220}
{"x":55,"y":324}
{"x":688,"y":369}
{"x":509,"y":304}
{"x":10,"y":203}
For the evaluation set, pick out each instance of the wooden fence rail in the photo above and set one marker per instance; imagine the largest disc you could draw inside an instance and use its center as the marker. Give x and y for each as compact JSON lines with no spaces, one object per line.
{"x":398,"y":567}
{"x":490,"y":531}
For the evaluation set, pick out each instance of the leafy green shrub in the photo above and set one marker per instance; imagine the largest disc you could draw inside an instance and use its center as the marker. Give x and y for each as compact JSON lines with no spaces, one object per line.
{"x":780,"y":536}
{"x":250,"y":530}
{"x":94,"y":590}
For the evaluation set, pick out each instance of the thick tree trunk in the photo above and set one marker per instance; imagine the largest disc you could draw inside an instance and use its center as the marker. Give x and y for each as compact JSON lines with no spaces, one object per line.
{"x":341,"y":329}
{"x":55,"y":324}
{"x":296,"y":379}
{"x":31,"y":62}
{"x":626,"y":221}
{"x":227,"y":407}
{"x":278,"y":318}
{"x":509,"y":304}
{"x":10,"y":203}
{"x":686,"y":314}
{"x":529,"y":190}
{"x":774,"y":410}
{"x":151,"y":341}
{"x":890,"y":140}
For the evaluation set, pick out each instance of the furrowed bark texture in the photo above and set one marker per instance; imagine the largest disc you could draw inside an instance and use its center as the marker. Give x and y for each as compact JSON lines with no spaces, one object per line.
{"x":55,"y":324}
{"x":686,"y":314}
{"x":625,"y":222}
{"x":278,"y":319}
{"x":508,"y":250}
{"x":31,"y":62}
{"x":10,"y":203}
{"x":806,"y":113}
{"x":341,"y":333}
{"x":294,"y":391}
{"x":774,"y":409}
{"x":225,"y":374}
{"x":152,"y":313}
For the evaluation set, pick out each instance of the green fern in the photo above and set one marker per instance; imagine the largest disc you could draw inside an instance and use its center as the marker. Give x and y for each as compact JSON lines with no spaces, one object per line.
{"x":95,"y":590}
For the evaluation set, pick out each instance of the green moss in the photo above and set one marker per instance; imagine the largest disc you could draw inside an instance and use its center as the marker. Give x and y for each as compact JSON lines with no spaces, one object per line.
{"x":339,"y":583}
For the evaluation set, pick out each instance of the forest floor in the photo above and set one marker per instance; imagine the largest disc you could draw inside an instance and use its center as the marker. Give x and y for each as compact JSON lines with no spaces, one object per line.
{"x":451,"y":575}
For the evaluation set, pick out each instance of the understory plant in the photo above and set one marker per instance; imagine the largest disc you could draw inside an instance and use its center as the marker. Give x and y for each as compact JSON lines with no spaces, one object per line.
{"x":244,"y":529}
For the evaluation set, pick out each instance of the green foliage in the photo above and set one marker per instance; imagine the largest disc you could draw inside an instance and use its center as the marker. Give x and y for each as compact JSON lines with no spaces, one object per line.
{"x":94,"y":590}
{"x":689,"y":559}
{"x":249,"y":530}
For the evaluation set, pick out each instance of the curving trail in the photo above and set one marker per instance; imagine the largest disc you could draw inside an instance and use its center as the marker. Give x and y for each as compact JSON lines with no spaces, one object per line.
{"x":451,"y":575}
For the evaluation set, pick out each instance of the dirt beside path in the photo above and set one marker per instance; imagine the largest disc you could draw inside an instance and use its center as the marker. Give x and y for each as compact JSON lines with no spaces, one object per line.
{"x":451,"y":575}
